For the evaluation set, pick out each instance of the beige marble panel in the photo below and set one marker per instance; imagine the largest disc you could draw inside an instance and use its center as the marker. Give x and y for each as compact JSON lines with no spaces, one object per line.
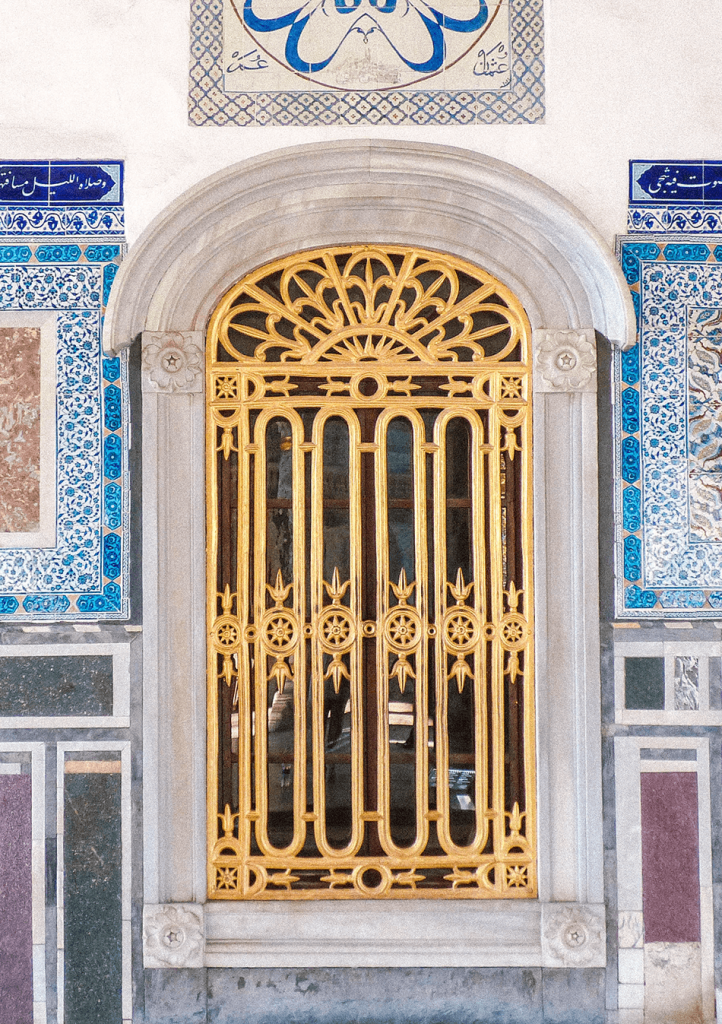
{"x":672,"y":983}
{"x":19,"y":429}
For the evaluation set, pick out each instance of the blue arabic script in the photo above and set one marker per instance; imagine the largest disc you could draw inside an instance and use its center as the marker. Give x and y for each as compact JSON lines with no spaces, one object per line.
{"x":49,"y":183}
{"x":398,"y":21}
{"x":685,"y":183}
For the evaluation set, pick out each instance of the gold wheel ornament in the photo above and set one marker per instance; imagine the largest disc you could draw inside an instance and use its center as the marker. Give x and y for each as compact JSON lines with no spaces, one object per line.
{"x":461,"y":630}
{"x":338,"y":629}
{"x":514,"y":632}
{"x":402,"y":630}
{"x":280,"y":631}
{"x":368,"y":407}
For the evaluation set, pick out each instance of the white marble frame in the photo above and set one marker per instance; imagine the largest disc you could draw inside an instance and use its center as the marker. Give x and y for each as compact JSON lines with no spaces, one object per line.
{"x":542,"y":248}
{"x":37,"y":791}
{"x":628,"y":766}
{"x":94,"y":747}
{"x":669,"y":650}
{"x":47,"y":321}
{"x":120,"y":719}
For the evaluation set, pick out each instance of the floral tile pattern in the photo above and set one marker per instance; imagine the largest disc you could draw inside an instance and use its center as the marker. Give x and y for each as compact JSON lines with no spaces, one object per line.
{"x":474,"y":61}
{"x":85,"y":574}
{"x":668,"y":431}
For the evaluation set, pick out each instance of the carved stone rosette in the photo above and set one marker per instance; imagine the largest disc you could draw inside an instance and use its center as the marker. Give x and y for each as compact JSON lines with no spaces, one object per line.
{"x":565,"y":360}
{"x":173,"y":935}
{"x":173,"y":362}
{"x":573,"y":935}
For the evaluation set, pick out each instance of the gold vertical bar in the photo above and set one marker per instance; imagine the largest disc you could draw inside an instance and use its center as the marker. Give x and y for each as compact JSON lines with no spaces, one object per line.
{"x":212,"y":431}
{"x":421,"y":557}
{"x":419,"y":654}
{"x":496,"y":611}
{"x":383,"y":774}
{"x":298,"y":613}
{"x":260,"y":737}
{"x":298,"y":489}
{"x":318,"y":683}
{"x":441,"y":733}
{"x":357,"y":681}
{"x":479,"y":682}
{"x":243,"y":604}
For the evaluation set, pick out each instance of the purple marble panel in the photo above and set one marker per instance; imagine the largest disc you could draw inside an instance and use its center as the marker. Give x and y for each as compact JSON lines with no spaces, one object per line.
{"x":19,"y":429}
{"x":16,"y":951}
{"x":670,"y":857}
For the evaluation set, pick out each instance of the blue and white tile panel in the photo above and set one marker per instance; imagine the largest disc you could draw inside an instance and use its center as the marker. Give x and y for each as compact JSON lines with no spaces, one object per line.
{"x":668,"y":432}
{"x":85,"y":574}
{"x":78,"y":198}
{"x":675,"y":196}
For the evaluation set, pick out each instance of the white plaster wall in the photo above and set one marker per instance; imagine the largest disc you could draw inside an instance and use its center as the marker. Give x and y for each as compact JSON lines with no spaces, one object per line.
{"x":89,"y":79}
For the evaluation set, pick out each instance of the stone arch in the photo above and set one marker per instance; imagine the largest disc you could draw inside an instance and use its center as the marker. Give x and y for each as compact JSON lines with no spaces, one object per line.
{"x":540,"y":247}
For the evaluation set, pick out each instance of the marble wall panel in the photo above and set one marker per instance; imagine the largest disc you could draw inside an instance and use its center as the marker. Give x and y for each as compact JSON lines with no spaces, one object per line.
{"x":92,"y":890}
{"x":16,"y":940}
{"x":50,"y":686}
{"x":19,"y":429}
{"x":670,"y":860}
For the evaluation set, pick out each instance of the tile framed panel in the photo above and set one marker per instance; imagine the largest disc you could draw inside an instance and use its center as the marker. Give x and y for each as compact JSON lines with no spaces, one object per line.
{"x":22,"y":879}
{"x":668,"y":432}
{"x":83,"y":574}
{"x":639,"y":960}
{"x":100,"y":693}
{"x":28,"y":354}
{"x":94,"y":882}
{"x":473,"y":64}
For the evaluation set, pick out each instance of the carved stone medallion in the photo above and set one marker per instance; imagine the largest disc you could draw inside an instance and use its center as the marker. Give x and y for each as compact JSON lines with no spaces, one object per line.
{"x":173,"y":935}
{"x":573,"y":935}
{"x":173,"y":361}
{"x":565,"y":360}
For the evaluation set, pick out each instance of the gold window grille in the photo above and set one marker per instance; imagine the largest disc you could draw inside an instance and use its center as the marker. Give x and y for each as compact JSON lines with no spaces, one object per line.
{"x":370,"y":663}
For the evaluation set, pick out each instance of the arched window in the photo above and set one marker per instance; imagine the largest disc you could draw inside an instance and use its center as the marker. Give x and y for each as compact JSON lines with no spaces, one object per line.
{"x":370,"y":672}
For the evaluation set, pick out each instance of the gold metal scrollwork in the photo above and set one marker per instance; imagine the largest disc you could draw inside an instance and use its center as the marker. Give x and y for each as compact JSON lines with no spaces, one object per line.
{"x":368,"y":337}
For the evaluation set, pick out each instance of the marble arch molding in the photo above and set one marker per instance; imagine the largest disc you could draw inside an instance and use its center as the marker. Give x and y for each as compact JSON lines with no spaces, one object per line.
{"x":534,"y":241}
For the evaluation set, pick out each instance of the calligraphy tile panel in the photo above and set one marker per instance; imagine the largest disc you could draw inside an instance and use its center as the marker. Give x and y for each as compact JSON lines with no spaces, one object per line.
{"x":361,"y":62}
{"x":668,"y":432}
{"x":53,"y":198}
{"x":83,"y":572}
{"x":675,"y":196}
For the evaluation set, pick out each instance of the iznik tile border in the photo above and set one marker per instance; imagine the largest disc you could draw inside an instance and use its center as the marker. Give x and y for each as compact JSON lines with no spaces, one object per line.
{"x":679,"y":220}
{"x":668,"y":432}
{"x":85,"y":574}
{"x":211,"y":104}
{"x":78,"y":198}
